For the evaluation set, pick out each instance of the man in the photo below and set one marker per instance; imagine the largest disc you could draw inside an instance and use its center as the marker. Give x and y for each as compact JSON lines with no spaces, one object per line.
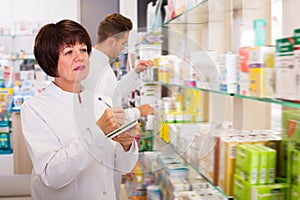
{"x":112,"y":37}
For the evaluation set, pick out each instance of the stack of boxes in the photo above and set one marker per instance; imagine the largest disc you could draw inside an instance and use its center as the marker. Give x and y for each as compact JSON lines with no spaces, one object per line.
{"x":227,"y":65}
{"x":227,"y":158}
{"x":285,"y":70}
{"x":171,"y":168}
{"x":213,"y":152}
{"x":229,"y":141}
{"x":255,"y":174}
{"x":257,"y":65}
{"x":180,"y":110}
{"x":177,"y":183}
{"x":144,"y":137}
{"x":244,"y":71}
{"x":261,"y":71}
{"x":6,"y":155}
{"x":291,"y":127}
{"x":288,"y":67}
{"x":5,"y":144}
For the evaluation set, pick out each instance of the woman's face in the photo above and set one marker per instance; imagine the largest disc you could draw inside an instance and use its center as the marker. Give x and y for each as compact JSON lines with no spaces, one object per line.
{"x":73,"y":63}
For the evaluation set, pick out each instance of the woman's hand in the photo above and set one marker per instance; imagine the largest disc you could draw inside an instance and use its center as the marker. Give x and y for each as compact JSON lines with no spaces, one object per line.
{"x":111,"y":119}
{"x":126,"y":138}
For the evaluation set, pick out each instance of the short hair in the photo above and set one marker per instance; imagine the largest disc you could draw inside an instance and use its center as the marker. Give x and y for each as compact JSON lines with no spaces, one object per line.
{"x":52,"y":37}
{"x":114,"y":25}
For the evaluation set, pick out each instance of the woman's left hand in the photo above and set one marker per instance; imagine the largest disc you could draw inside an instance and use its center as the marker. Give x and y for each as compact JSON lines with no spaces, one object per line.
{"x":126,"y":138}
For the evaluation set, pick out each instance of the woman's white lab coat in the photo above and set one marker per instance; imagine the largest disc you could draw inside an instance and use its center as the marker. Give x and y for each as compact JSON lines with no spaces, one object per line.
{"x":72,"y":159}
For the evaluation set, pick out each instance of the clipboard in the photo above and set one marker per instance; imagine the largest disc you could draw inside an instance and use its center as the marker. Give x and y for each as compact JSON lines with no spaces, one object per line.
{"x":121,"y":129}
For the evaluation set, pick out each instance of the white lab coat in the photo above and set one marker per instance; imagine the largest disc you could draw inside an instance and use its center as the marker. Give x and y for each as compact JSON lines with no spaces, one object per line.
{"x":72,"y":159}
{"x":102,"y":80}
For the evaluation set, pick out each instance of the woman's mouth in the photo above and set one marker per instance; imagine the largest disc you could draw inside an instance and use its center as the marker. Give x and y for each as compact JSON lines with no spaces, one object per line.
{"x":79,"y":68}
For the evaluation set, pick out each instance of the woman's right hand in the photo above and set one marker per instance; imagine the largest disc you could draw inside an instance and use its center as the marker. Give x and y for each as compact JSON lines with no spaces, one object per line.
{"x":111,"y":119}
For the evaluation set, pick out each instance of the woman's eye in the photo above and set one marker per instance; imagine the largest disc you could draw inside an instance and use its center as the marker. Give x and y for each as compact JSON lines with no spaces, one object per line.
{"x":68,"y":53}
{"x":83,"y":50}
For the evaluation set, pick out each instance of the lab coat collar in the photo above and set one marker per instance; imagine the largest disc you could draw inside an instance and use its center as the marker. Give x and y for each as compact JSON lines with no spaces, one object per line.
{"x":65,"y":96}
{"x":98,"y":53}
{"x":54,"y":87}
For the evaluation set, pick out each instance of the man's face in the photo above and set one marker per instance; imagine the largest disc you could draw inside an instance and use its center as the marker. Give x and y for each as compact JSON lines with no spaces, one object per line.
{"x":119,"y":45}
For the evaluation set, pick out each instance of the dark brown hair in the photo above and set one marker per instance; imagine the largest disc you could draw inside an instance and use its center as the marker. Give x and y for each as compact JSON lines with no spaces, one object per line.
{"x":114,"y":25}
{"x":53,"y":37}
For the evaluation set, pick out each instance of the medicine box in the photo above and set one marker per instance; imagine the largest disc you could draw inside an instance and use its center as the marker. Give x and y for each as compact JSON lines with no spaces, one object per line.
{"x":227,"y":161}
{"x":286,"y":81}
{"x":247,"y":162}
{"x":260,"y":32}
{"x":270,"y":163}
{"x":245,"y":191}
{"x":261,"y":71}
{"x":269,"y":192}
{"x":262,"y":165}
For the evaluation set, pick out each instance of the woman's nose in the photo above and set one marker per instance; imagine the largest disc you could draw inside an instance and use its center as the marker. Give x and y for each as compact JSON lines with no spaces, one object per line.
{"x":79,"y":55}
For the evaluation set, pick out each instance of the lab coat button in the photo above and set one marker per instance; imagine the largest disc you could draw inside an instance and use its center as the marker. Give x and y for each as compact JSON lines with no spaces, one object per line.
{"x":104,"y":193}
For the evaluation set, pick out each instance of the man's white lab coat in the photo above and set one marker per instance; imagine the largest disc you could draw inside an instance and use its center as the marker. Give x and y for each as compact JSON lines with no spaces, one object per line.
{"x":102,"y":80}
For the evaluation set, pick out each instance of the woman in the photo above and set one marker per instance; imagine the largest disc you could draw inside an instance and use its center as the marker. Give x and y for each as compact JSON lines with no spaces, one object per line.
{"x":72,"y":158}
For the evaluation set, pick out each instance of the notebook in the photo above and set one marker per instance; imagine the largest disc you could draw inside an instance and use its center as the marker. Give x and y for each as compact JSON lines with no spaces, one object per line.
{"x":121,"y":129}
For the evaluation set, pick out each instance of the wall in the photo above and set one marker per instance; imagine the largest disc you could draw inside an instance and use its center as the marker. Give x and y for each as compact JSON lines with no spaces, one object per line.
{"x":16,"y":12}
{"x":13,"y":13}
{"x":54,"y":10}
{"x":142,"y":13}
{"x":88,"y":12}
{"x":93,"y":11}
{"x":128,"y":8}
{"x":291,"y":17}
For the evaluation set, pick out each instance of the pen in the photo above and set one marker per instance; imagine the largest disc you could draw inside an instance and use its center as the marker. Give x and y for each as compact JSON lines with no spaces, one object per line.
{"x":100,"y":99}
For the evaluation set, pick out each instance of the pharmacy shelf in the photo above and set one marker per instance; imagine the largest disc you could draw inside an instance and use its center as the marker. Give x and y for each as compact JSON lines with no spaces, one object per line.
{"x":18,"y":35}
{"x":266,"y":100}
{"x":19,"y":59}
{"x":200,"y":173}
{"x":171,"y":149}
{"x":197,"y":88}
{"x":185,"y":12}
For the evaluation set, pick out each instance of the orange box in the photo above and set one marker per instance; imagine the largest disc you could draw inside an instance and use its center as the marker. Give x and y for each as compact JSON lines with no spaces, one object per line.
{"x":244,"y":55}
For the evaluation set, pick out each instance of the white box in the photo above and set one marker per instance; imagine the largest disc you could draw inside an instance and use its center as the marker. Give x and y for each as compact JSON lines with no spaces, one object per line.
{"x":6,"y":164}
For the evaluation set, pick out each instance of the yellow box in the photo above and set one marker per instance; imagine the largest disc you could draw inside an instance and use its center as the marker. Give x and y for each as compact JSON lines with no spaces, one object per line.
{"x":256,"y":82}
{"x":164,"y":133}
{"x":261,"y":67}
{"x":192,"y":101}
{"x":227,"y":156}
